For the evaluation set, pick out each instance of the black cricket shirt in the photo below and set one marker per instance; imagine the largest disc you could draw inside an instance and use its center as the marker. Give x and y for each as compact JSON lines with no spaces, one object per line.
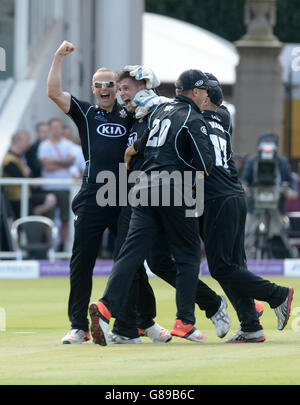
{"x":137,"y":131}
{"x":223,"y":179}
{"x":103,"y":135}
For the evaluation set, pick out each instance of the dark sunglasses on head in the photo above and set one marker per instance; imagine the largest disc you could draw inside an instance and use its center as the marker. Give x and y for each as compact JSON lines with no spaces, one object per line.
{"x":108,"y":84}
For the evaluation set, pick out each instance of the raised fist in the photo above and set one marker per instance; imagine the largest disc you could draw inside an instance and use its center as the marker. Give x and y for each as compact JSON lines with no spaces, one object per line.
{"x":65,"y":48}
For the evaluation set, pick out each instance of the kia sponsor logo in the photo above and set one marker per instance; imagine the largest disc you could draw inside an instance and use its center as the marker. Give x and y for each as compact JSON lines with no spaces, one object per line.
{"x":111,"y":130}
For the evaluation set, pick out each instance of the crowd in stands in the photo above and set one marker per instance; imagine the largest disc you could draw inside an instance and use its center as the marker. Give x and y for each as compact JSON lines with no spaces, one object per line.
{"x":56,"y":153}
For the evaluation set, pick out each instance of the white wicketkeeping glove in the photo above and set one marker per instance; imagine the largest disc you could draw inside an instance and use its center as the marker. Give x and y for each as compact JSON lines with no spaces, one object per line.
{"x":141,"y":72}
{"x":146,"y":101}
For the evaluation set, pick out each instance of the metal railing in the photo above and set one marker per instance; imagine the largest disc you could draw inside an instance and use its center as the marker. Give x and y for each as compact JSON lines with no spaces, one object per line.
{"x":24,"y":210}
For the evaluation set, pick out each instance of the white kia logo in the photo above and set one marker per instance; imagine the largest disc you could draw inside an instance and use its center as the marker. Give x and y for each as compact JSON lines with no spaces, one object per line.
{"x":111,"y":130}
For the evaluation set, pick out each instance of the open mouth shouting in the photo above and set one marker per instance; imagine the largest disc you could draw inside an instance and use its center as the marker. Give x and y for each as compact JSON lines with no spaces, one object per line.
{"x":127,"y":102}
{"x":104,"y":96}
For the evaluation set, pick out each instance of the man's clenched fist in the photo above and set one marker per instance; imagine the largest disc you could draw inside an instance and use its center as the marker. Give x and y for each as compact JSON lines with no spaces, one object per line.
{"x":65,"y":48}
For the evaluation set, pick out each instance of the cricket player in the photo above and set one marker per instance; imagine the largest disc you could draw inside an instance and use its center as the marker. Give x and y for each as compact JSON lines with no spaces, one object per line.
{"x":222,"y":228}
{"x":174,"y":141}
{"x":103,"y":131}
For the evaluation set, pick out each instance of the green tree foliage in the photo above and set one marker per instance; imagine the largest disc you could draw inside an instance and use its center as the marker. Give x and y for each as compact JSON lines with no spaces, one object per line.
{"x":226,"y":17}
{"x":287,"y":21}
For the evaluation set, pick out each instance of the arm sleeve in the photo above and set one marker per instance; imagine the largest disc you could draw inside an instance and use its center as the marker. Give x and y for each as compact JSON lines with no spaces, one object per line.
{"x":140,"y":144}
{"x":202,"y":150}
{"x":78,"y":112}
{"x":13,"y":170}
{"x":78,"y":109}
{"x":226,"y":118}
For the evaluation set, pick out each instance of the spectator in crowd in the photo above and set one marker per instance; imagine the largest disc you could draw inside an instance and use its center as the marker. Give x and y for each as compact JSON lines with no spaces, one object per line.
{"x":57,"y":156}
{"x":77,"y":169}
{"x":15,"y":165}
{"x":42,"y":133}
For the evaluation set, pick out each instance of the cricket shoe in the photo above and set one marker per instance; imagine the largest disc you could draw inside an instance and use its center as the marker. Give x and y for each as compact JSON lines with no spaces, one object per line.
{"x":141,"y":332}
{"x":188,"y":332}
{"x":113,"y":339}
{"x":156,"y":333}
{"x":259,"y":306}
{"x":75,"y":337}
{"x":221,"y":319}
{"x":247,"y":337}
{"x":100,"y":317}
{"x":283,"y":310}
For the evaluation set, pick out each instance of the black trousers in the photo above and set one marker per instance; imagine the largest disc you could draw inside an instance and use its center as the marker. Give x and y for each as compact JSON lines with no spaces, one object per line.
{"x":146,"y":225}
{"x":222,"y":230}
{"x":89,"y":225}
{"x":163,"y":265}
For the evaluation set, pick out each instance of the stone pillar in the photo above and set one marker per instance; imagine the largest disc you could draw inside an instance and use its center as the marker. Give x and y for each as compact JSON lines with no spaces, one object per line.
{"x":258,"y":92}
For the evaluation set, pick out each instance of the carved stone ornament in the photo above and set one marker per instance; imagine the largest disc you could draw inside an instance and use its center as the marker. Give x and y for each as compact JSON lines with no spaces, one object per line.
{"x":260,"y":19}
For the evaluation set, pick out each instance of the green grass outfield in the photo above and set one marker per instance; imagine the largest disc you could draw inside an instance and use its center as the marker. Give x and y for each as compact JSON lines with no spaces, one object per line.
{"x":31,"y":352}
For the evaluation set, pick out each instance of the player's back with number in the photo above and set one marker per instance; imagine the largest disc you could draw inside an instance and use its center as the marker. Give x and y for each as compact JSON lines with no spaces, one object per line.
{"x":177,"y":139}
{"x":223,"y":180}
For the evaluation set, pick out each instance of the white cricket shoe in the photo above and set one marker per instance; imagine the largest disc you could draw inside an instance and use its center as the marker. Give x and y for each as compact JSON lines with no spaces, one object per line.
{"x":283,"y":311}
{"x":100,"y":317}
{"x":221,"y":319}
{"x":157,"y":333}
{"x":75,"y":337}
{"x":113,"y":339}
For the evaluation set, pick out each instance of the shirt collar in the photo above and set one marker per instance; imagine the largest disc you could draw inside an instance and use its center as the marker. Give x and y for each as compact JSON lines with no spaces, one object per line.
{"x":115,"y":109}
{"x":188,"y":100}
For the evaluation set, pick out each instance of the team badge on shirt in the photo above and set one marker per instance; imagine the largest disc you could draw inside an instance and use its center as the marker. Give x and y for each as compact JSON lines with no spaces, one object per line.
{"x":123,"y":113}
{"x":203,"y":130}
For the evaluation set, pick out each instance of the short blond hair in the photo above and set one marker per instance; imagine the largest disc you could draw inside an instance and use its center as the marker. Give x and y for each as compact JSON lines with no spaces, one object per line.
{"x":104,"y":69}
{"x":19,"y":135}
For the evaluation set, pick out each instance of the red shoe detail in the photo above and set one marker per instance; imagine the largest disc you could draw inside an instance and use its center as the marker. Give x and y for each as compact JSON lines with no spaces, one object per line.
{"x":259,"y":306}
{"x":103,"y":310}
{"x":97,"y":312}
{"x":180,"y":329}
{"x":141,"y":332}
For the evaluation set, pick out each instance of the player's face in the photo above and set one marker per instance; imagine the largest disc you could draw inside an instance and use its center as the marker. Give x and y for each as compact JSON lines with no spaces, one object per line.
{"x":106,"y":90}
{"x":205,"y":103}
{"x":128,"y":88}
{"x":200,"y":95}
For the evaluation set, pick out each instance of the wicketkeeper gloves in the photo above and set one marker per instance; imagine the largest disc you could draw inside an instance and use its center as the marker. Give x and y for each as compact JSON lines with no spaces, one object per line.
{"x":141,"y":72}
{"x":146,"y":101}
